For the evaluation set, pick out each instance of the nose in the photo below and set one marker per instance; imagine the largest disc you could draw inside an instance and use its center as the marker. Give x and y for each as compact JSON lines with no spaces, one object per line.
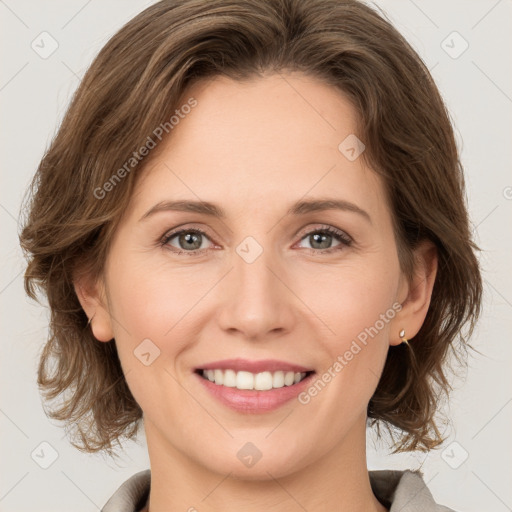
{"x":257,"y":302}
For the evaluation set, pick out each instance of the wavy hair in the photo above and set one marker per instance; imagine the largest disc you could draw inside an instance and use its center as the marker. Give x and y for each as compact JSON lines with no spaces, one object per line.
{"x":136,"y":83}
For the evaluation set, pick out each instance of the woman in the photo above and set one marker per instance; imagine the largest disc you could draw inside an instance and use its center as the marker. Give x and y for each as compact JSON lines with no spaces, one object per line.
{"x":252,"y":233}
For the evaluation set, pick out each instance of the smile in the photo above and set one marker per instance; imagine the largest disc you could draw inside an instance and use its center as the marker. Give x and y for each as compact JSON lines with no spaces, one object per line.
{"x":262,"y":381}
{"x":253,"y":392}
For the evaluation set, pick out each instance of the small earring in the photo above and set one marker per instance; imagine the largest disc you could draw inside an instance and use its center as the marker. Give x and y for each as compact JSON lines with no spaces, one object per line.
{"x":402,"y":335}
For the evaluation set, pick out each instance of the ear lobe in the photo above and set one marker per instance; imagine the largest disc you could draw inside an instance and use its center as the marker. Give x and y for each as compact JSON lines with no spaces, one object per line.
{"x":92,"y":298}
{"x":418,"y":294}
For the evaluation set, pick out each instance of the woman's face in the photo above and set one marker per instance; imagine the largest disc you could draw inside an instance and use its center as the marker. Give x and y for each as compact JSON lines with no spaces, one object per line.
{"x":265,"y":281}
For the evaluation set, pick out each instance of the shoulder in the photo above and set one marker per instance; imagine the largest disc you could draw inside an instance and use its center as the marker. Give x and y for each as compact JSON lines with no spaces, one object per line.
{"x":404,"y":491}
{"x":132,"y":495}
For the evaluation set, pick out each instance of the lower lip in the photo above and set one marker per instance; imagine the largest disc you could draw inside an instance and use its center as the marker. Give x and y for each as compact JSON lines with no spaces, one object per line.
{"x":251,"y":400}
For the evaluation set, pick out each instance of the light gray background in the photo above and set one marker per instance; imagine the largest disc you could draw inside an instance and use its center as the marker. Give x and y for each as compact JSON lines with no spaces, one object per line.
{"x":477,"y":86}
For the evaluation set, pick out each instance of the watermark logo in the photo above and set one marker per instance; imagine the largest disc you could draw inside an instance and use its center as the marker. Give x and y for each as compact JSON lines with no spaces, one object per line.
{"x":454,"y":455}
{"x":249,"y":454}
{"x":45,"y":45}
{"x":44,"y":455}
{"x":249,"y":249}
{"x":454,"y":45}
{"x":351,"y":147}
{"x":146,"y":352}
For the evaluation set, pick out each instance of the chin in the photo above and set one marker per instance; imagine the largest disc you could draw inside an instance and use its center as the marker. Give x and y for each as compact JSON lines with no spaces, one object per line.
{"x":248,"y":462}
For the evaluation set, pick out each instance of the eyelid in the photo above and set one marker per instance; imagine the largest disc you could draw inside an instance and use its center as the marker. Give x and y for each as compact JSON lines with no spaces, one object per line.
{"x":325,"y":227}
{"x":185,"y":227}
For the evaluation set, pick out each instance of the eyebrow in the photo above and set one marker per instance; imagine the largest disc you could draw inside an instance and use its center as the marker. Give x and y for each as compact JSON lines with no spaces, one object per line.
{"x":299,"y":208}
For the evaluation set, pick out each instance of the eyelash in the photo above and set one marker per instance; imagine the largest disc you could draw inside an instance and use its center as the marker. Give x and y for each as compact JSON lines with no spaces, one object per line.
{"x":344,"y":239}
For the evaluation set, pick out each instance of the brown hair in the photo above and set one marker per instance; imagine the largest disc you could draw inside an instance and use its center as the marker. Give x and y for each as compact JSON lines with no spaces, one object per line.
{"x":135,"y":85}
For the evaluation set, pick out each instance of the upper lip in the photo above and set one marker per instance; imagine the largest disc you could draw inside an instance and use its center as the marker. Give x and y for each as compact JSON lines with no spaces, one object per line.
{"x":271,"y":365}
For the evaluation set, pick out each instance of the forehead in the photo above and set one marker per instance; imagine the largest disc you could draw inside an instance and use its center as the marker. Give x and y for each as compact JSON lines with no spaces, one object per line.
{"x":277,"y":134}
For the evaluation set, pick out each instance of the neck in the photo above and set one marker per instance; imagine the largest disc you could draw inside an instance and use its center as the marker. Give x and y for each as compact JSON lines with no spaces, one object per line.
{"x":338,"y":480}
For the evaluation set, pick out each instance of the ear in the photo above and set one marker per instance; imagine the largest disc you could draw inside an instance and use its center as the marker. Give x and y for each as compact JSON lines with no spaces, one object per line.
{"x":415,"y":295}
{"x":92,"y":297}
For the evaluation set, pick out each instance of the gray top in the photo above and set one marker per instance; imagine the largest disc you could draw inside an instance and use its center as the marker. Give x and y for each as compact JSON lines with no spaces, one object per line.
{"x":400,"y":491}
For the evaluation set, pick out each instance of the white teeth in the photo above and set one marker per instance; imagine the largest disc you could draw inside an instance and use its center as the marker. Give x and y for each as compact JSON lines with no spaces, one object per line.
{"x":229,"y":379}
{"x":262,"y":381}
{"x":219,"y":376}
{"x":278,"y":380}
{"x":244,"y":380}
{"x":289,"y":377}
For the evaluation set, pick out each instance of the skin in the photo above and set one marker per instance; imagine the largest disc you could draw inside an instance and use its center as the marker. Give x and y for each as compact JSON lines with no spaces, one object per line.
{"x":254,"y":148}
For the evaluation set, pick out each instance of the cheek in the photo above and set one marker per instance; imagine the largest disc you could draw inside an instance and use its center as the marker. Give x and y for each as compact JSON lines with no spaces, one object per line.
{"x":349,"y":299}
{"x":356,"y":309}
{"x":149,"y":306}
{"x":155,"y":301}
{"x":355,"y":305}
